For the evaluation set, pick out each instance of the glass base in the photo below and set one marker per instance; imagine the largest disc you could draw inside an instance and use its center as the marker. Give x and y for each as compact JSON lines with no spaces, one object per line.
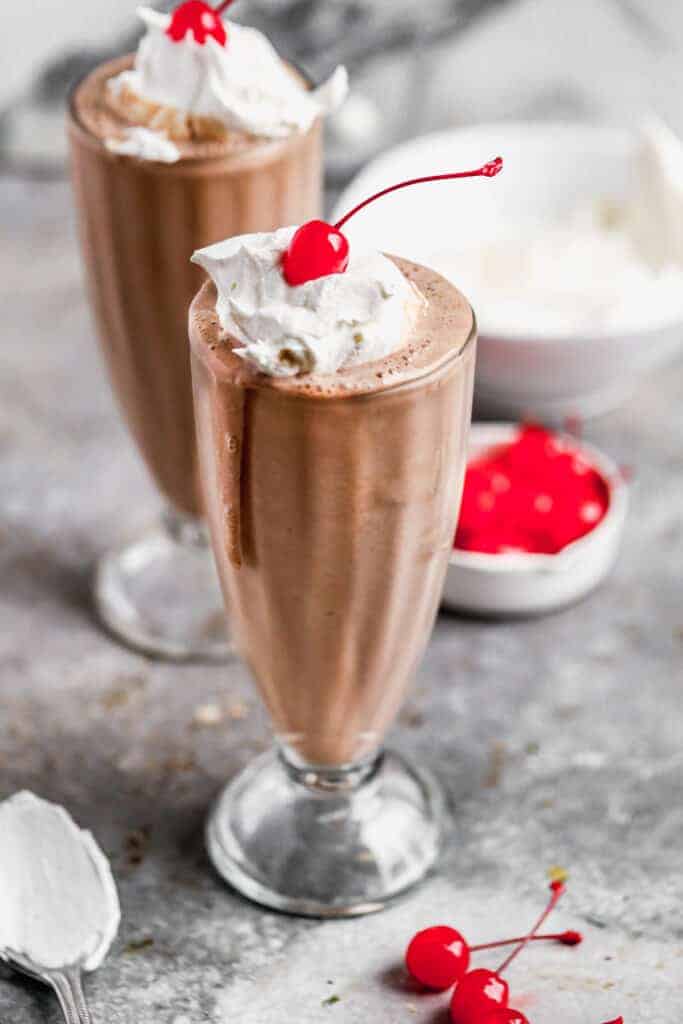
{"x":161,"y":595}
{"x":325,"y":842}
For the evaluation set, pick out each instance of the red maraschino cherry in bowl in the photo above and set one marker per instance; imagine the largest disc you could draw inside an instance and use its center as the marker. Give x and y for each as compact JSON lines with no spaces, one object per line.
{"x":540,"y":523}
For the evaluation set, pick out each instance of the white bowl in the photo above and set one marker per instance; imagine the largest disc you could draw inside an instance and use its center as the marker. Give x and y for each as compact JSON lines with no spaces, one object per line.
{"x":550,"y":168}
{"x":523,"y":584}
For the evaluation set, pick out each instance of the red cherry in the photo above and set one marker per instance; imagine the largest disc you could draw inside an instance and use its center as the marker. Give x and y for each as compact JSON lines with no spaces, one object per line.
{"x":202,"y":21}
{"x":482,"y":991}
{"x":532,"y":447}
{"x":484,"y":542}
{"x":316,"y":250}
{"x":505,"y":1015}
{"x":479,"y":992}
{"x":437,"y":957}
{"x":536,"y":494}
{"x":479,"y":498}
{"x":591,"y":512}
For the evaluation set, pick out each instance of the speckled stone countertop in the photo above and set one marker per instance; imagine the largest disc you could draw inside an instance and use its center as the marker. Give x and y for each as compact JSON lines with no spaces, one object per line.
{"x":558,"y":741}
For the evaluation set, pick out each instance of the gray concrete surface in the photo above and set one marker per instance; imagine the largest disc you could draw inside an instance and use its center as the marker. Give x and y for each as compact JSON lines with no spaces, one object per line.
{"x":558,"y":741}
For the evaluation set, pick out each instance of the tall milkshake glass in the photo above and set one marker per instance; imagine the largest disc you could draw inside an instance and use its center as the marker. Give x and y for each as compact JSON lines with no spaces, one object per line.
{"x":141,"y":219}
{"x":332,"y":501}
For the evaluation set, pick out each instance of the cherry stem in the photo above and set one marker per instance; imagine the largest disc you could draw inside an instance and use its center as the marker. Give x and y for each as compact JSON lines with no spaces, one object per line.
{"x":556,"y":890}
{"x":488,"y":170}
{"x":223,"y":6}
{"x":556,"y":937}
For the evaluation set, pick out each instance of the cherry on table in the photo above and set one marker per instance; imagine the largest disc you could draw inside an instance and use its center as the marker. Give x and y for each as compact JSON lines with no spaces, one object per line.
{"x":200,"y":19}
{"x":478,"y":993}
{"x":437,"y":957}
{"x":482,"y":991}
{"x":504,"y":1015}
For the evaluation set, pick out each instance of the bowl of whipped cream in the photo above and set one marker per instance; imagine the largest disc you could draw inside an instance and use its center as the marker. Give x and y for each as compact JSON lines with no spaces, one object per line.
{"x":572,"y":257}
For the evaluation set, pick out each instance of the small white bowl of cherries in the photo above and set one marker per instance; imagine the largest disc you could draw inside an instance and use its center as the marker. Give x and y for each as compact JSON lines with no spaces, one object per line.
{"x":540,"y":522}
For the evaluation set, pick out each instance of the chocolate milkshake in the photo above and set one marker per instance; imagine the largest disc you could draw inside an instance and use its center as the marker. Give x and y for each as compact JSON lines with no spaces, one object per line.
{"x":172,"y":149}
{"x":332,"y":424}
{"x":342,"y":492}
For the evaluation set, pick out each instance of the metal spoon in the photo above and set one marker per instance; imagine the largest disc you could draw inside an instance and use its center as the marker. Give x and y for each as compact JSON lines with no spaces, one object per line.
{"x":60,"y":907}
{"x":65,"y":981}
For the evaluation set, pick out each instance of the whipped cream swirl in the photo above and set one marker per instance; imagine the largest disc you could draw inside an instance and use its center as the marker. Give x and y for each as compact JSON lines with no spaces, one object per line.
{"x":242,"y":86}
{"x":320,"y":326}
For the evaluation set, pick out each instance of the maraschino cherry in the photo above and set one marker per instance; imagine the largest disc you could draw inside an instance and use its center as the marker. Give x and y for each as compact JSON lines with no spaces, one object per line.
{"x":202,"y":21}
{"x":504,"y":1015}
{"x":478,"y":994}
{"x":437,"y":957}
{"x":482,"y":992}
{"x":537,"y":493}
{"x":318,"y":249}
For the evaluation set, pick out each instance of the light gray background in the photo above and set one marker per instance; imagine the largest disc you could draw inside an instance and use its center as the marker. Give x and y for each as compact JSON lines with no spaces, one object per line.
{"x":558,"y":741}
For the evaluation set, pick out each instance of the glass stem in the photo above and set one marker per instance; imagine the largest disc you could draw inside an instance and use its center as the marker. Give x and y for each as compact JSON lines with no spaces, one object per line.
{"x":186,"y":530}
{"x":330,"y":779}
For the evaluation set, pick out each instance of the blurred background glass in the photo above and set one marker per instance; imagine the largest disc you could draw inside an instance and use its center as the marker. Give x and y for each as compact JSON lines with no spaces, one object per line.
{"x":414,"y":66}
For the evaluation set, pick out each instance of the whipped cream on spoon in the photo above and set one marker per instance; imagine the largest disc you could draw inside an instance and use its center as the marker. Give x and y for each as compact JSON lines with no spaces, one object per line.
{"x":60,"y":907}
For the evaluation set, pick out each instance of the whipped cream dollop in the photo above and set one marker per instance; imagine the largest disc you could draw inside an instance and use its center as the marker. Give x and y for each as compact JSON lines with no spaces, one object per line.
{"x":146,"y":145}
{"x":242,"y":86}
{"x":321,"y":326}
{"x":58,"y":897}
